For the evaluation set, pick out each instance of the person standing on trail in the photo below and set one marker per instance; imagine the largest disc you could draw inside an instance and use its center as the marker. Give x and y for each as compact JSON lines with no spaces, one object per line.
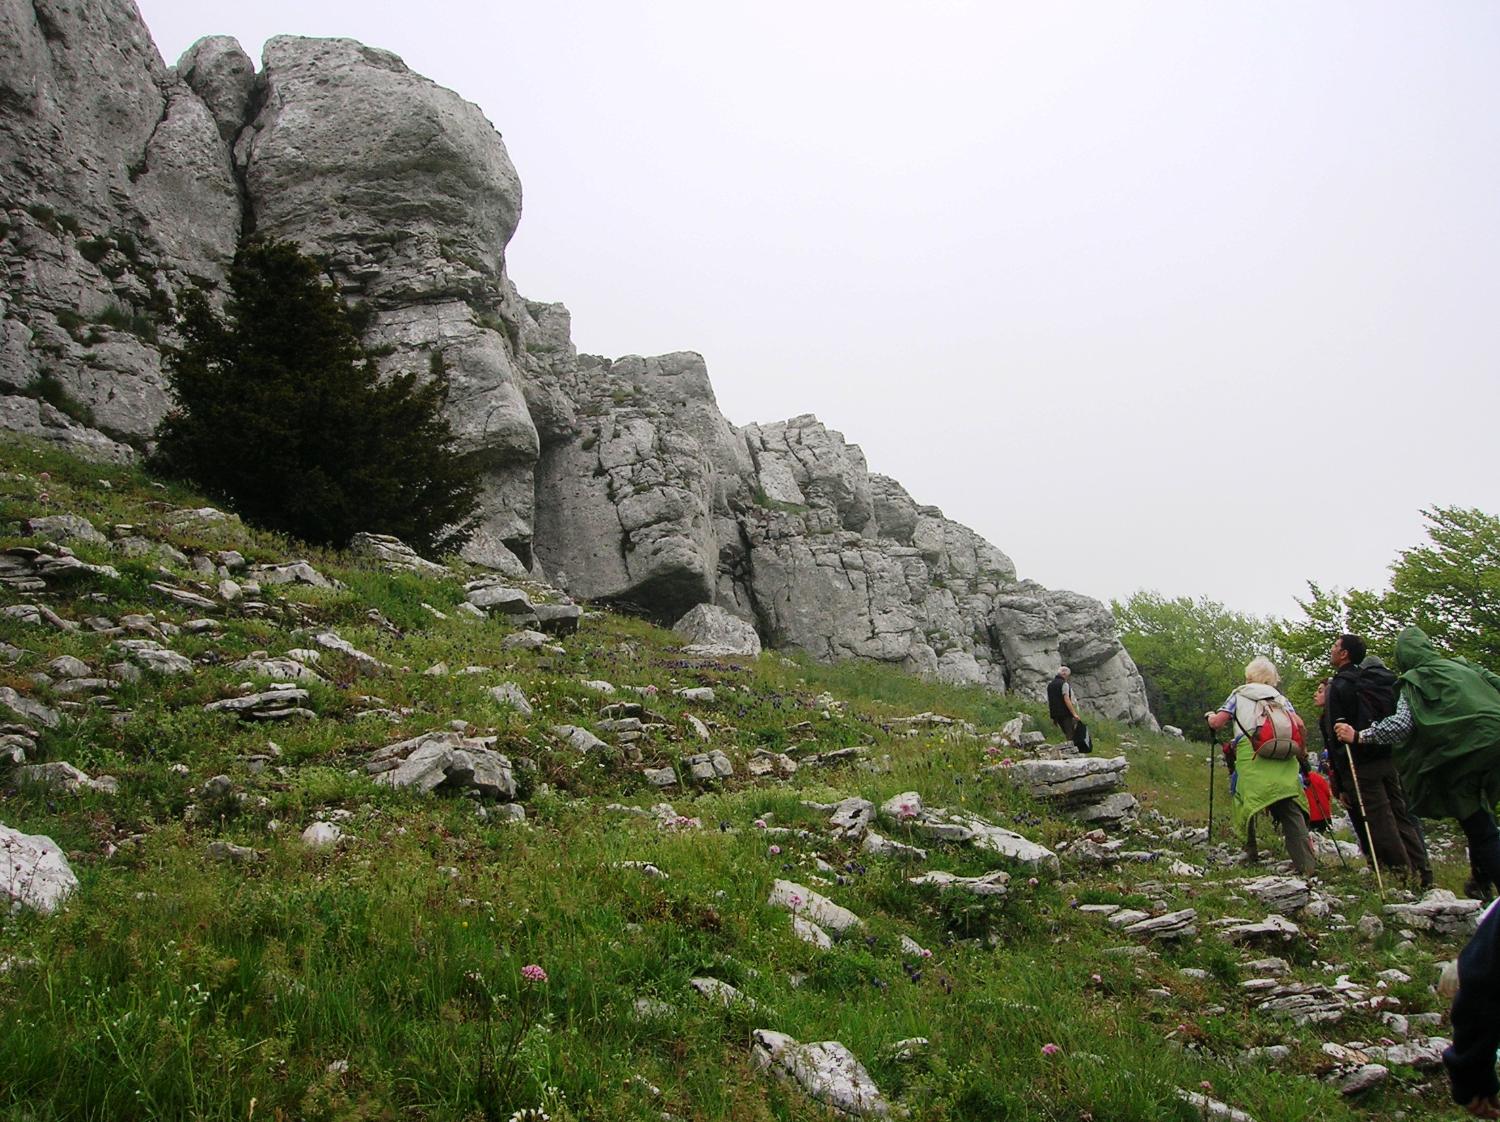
{"x":1060,"y":702}
{"x":1368,"y":784}
{"x":1263,"y":783}
{"x":1446,"y":736}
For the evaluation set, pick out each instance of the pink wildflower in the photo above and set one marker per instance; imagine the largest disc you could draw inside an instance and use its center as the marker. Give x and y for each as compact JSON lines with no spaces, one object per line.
{"x":796,"y":901}
{"x":533,"y":973}
{"x":926,"y":953}
{"x":760,"y":823}
{"x":1205,"y":1085}
{"x":1007,"y":762}
{"x":1096,"y":978}
{"x":774,"y":850}
{"x":907,"y":810}
{"x":1050,"y":1049}
{"x":1032,"y":881}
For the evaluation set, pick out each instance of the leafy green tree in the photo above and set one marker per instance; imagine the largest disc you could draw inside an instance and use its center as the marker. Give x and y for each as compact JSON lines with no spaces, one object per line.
{"x":1191,"y":653}
{"x":281,"y":413}
{"x":1449,"y":587}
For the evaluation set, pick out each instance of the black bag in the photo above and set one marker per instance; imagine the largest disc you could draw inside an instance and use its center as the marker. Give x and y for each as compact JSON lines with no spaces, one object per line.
{"x":1377,"y":694}
{"x":1082,"y":740}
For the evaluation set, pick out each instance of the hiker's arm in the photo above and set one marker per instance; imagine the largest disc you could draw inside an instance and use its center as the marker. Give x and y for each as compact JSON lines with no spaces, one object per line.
{"x":1470,"y":1059}
{"x":1218,"y":720}
{"x":1388,"y":730}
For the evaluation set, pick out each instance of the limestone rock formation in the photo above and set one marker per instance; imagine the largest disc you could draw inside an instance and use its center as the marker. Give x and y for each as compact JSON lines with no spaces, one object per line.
{"x":118,"y":192}
{"x":617,"y":480}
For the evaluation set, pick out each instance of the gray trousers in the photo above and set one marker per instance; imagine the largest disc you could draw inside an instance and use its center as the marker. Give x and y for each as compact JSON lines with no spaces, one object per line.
{"x":1292,"y":819}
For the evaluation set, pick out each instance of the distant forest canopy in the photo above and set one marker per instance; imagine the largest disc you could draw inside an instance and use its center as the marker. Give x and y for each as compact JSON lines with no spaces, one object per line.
{"x":1192,"y":652}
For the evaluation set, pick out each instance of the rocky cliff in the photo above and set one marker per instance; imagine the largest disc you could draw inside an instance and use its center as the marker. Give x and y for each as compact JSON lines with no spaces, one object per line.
{"x":122,"y":180}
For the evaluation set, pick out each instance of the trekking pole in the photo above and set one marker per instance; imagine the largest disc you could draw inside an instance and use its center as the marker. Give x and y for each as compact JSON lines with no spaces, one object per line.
{"x":1360,"y":798}
{"x":1213,"y":750}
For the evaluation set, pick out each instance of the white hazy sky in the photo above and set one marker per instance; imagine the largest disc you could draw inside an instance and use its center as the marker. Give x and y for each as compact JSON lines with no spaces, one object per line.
{"x":1195,"y":296}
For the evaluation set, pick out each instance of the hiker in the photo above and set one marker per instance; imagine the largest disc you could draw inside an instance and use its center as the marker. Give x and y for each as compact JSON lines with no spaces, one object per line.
{"x":1470,"y":1059}
{"x":1262,"y":783}
{"x":1446,"y":736}
{"x":1367,"y":781}
{"x":1060,"y":702}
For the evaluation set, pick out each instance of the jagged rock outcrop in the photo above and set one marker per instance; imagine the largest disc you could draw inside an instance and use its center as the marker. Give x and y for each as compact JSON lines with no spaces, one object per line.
{"x":117,"y":192}
{"x":618,"y":480}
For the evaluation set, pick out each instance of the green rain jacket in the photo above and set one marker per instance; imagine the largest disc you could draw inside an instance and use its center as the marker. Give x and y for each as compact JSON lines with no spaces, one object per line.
{"x":1450,"y":765}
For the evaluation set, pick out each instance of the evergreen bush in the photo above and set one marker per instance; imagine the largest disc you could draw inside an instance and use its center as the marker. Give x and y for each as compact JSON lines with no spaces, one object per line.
{"x":281,"y":413}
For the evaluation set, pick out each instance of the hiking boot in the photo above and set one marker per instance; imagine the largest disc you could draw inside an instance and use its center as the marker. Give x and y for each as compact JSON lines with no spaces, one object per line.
{"x":1424,"y":878}
{"x":1479,"y":890}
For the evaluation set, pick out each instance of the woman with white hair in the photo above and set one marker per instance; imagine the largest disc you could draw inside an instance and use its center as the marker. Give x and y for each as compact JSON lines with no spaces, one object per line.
{"x":1262,"y":781}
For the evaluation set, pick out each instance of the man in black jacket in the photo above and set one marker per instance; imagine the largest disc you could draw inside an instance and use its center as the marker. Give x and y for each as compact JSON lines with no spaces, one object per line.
{"x":1376,"y":802}
{"x":1470,"y":1059}
{"x":1060,"y":702}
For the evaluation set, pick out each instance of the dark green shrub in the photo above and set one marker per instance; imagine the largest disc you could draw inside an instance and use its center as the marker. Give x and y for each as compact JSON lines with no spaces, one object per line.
{"x":127,"y":319}
{"x":93,"y":250}
{"x":279,"y":411}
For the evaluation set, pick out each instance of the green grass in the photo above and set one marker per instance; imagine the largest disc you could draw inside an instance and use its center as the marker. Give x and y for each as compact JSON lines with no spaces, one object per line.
{"x":174,"y":986}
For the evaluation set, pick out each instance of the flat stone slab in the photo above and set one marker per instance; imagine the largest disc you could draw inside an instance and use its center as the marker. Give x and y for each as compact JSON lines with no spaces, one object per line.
{"x":1084,"y":779}
{"x":1283,"y":895}
{"x":995,"y":883}
{"x":277,"y":669}
{"x":31,"y":710}
{"x":803,"y":901}
{"x":1273,"y":929}
{"x":1212,"y":1109}
{"x":827,"y":1071}
{"x":907,"y":809}
{"x":330,"y":641}
{"x":578,"y":738}
{"x":290,"y":572}
{"x":393,"y":554}
{"x":151,"y":655}
{"x":271,"y":705}
{"x":1173,"y":925}
{"x":1440,"y":911}
{"x":721,"y":993}
{"x":809,"y":932}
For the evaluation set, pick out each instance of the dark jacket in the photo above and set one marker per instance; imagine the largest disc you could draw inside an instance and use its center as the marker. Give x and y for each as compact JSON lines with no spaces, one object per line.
{"x":1343,"y":705}
{"x":1470,"y":1059}
{"x":1056,"y":706}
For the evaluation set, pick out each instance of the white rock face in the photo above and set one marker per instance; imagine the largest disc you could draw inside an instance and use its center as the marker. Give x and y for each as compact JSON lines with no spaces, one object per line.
{"x":34,"y":873}
{"x":827,"y":1071}
{"x":619,"y":480}
{"x":120,"y":190}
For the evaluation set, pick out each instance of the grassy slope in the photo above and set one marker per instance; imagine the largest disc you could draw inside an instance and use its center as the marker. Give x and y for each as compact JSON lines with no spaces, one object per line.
{"x":173,"y":986}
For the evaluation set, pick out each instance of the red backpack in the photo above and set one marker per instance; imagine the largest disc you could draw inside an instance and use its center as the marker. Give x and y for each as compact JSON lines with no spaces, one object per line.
{"x":1274,"y":731}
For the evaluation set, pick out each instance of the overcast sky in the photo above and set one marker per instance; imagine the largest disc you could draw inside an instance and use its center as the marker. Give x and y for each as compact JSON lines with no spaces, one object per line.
{"x":1199,"y":297}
